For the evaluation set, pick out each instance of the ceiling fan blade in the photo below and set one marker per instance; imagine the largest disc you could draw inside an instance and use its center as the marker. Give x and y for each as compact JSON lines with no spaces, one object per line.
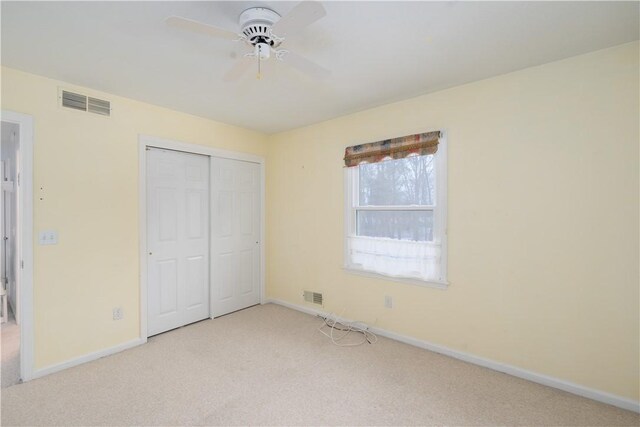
{"x":239,"y":68}
{"x":305,"y":13}
{"x":306,"y":66}
{"x":199,"y":27}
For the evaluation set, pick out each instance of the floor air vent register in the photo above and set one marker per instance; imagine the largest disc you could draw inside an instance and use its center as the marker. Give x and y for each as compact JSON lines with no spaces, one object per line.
{"x":313,"y":297}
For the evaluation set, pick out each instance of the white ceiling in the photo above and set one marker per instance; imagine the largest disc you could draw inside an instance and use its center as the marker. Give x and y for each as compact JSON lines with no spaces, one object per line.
{"x":379,"y":52}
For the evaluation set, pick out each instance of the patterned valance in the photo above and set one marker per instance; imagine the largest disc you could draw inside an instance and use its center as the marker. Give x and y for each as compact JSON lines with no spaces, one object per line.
{"x":396,"y":148}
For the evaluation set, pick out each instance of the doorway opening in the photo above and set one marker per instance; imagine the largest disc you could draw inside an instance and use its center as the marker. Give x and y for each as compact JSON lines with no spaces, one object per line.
{"x":16,"y":247}
{"x":9,"y":250}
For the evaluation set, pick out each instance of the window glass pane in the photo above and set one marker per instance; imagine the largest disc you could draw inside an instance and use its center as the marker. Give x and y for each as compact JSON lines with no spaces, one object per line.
{"x":408,"y":181}
{"x":402,"y":225}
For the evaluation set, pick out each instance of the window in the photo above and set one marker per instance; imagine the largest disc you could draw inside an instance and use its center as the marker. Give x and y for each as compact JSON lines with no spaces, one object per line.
{"x":396,"y":217}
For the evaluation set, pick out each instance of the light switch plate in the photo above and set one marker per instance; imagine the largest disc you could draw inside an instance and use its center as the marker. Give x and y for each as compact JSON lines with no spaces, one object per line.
{"x":48,"y":237}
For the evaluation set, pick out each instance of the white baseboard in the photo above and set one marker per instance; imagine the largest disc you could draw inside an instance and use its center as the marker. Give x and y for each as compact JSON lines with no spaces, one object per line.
{"x":86,"y":358}
{"x":600,"y":396}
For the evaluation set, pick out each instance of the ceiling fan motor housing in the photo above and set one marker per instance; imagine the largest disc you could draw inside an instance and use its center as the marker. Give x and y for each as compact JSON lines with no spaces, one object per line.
{"x":256,"y":24}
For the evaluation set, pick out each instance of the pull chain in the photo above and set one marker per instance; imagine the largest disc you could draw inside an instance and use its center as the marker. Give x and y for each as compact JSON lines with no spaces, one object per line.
{"x":259,"y":76}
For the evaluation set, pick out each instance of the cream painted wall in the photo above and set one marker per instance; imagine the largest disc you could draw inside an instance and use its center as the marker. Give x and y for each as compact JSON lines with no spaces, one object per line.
{"x":543,"y":219}
{"x":86,"y":188}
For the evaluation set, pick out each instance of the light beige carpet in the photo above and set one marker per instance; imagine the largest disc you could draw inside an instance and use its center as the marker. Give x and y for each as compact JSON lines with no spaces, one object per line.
{"x":268,"y":365}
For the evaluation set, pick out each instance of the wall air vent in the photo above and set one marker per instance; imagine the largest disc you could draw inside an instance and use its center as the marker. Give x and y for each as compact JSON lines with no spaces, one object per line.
{"x":99,"y":106}
{"x":313,"y":297}
{"x":85,"y":103}
{"x":74,"y":100}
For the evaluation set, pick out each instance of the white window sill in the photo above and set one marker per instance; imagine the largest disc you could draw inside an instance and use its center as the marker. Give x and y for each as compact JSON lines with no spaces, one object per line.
{"x":427,"y":284}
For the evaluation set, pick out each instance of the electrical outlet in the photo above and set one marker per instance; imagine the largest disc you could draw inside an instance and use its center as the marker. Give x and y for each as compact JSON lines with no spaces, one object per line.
{"x":388,"y":301}
{"x":117,"y":313}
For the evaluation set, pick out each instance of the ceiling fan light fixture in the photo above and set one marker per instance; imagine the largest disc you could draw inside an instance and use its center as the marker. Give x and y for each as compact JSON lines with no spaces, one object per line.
{"x":262,"y":51}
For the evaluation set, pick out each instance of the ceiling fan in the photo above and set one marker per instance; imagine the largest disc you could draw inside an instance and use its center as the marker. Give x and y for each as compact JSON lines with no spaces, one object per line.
{"x":264,"y":30}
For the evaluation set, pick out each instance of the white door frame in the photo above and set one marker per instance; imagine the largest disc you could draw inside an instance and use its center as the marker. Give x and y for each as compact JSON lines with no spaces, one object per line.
{"x":145,"y":141}
{"x":25,"y":239}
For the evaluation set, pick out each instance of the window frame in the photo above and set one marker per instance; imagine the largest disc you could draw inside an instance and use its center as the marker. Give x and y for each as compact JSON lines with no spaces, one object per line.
{"x":351,"y":192}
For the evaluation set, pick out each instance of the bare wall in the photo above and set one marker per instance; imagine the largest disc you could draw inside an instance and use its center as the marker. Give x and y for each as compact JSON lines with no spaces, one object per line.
{"x":543,"y":219}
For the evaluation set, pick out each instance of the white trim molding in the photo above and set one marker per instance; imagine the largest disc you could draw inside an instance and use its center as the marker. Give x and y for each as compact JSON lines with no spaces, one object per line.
{"x":580,"y":390}
{"x":25,"y":240}
{"x":168,"y":144}
{"x":145,"y":141}
{"x":427,"y":284}
{"x":87,"y":358}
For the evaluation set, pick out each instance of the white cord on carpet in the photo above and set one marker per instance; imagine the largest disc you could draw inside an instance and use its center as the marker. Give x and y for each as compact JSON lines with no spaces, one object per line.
{"x":347,"y":327}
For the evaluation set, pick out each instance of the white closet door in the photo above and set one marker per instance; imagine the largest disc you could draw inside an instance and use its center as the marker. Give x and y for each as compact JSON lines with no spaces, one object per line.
{"x":235,"y":235}
{"x":177,"y":239}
